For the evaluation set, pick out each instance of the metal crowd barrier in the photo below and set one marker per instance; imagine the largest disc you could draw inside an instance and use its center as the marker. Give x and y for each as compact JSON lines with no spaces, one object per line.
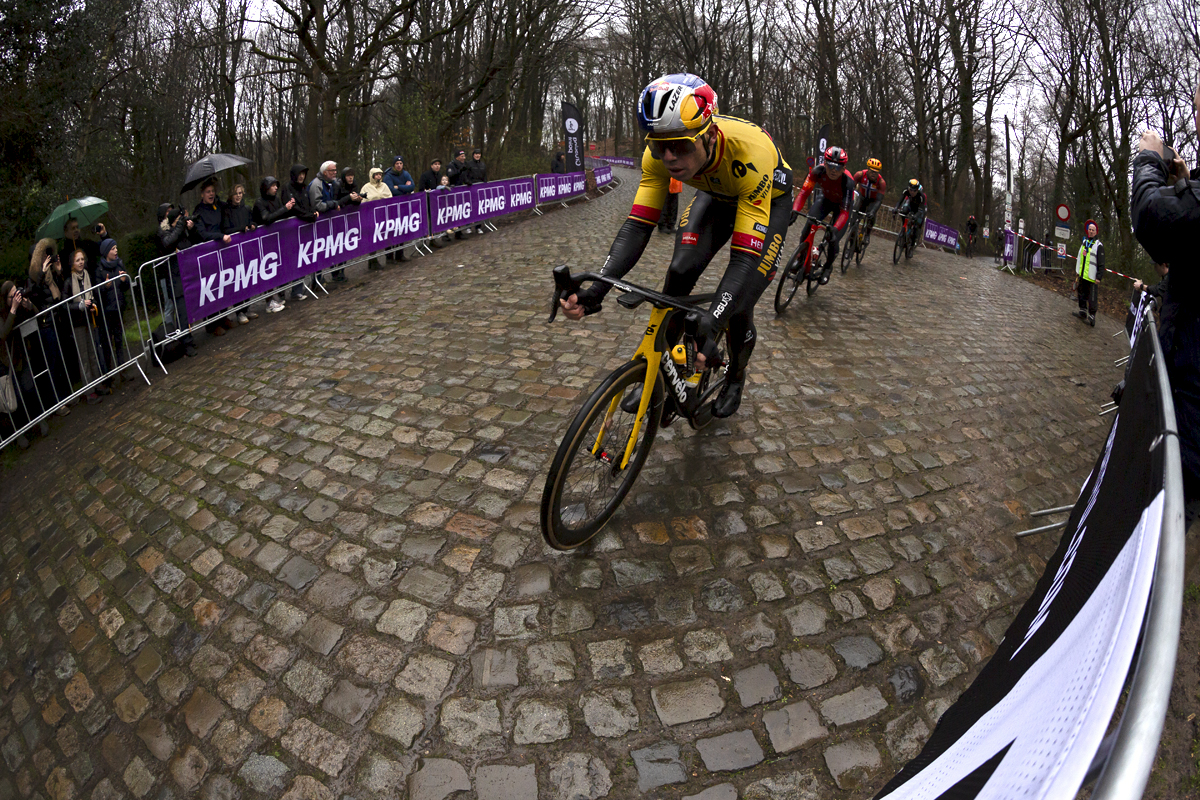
{"x":50,"y":349}
{"x":1135,"y":743}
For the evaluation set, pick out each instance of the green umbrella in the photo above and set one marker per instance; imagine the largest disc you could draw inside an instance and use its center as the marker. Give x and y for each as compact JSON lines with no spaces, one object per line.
{"x":84,"y":210}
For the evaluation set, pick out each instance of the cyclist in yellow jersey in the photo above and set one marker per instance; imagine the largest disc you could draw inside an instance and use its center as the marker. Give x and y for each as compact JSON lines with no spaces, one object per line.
{"x":744,"y":198}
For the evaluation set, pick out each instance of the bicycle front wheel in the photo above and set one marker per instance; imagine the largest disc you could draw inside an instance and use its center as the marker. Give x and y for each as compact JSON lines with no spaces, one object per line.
{"x":848,"y":252}
{"x":899,"y":248}
{"x":789,"y":281}
{"x":586,"y":483}
{"x":909,"y":248}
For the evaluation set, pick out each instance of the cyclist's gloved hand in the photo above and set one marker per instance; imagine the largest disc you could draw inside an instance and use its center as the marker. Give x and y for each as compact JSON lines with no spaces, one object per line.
{"x":795,"y":216}
{"x":708,"y":336}
{"x":591,"y":297}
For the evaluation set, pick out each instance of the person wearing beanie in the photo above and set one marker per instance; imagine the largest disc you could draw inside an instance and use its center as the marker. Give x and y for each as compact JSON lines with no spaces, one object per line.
{"x":431,"y":178}
{"x":457,"y":171}
{"x":112,"y":301}
{"x":397,"y":178}
{"x":475,"y":172}
{"x":1089,"y":270}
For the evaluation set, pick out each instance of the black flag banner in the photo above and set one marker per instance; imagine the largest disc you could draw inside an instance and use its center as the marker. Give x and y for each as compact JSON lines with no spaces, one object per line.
{"x":1031,"y":723}
{"x":823,"y":141}
{"x":573,"y":131}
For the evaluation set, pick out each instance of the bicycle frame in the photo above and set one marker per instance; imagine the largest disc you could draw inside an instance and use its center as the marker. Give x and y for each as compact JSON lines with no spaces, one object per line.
{"x":652,"y":346}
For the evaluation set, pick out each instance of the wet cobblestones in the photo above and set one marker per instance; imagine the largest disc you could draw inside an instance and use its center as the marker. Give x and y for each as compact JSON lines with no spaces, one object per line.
{"x":307,"y":565}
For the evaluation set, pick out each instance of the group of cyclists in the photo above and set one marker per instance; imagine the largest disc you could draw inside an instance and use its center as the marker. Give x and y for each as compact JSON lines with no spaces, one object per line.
{"x":744,"y":197}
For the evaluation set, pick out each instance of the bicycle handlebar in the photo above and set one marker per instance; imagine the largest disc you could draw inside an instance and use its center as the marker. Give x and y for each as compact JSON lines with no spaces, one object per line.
{"x":566,"y":284}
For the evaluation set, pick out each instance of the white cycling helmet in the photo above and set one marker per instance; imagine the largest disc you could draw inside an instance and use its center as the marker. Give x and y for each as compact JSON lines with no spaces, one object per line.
{"x":678,"y":106}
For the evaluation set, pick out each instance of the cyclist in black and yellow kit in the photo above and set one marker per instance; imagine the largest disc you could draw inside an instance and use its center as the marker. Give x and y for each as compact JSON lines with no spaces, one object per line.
{"x":744,"y":197}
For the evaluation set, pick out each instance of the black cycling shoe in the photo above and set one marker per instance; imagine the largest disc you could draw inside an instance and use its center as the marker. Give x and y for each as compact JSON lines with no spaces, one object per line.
{"x":824,"y":279}
{"x":730,"y":396}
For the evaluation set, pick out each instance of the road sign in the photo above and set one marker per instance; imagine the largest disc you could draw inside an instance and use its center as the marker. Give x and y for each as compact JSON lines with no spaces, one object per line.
{"x":1062,"y":232}
{"x":987,"y":232}
{"x":1062,"y":250}
{"x":811,"y":161}
{"x":1021,"y":226}
{"x":1062,"y":212}
{"x":1008,"y":217}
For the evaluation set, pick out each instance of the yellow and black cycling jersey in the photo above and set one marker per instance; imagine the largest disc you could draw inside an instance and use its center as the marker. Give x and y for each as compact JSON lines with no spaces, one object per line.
{"x":747,"y":169}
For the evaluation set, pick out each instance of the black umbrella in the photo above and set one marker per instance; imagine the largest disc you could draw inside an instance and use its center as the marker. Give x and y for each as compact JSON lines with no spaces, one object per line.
{"x":208,"y":166}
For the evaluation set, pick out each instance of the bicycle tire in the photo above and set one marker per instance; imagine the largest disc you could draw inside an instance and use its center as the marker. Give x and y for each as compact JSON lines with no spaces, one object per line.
{"x":861,"y":249}
{"x":847,"y":252}
{"x":898,"y":247}
{"x":557,"y":496}
{"x":814,"y":274}
{"x":705,"y":393}
{"x":788,"y":277}
{"x":909,"y":248}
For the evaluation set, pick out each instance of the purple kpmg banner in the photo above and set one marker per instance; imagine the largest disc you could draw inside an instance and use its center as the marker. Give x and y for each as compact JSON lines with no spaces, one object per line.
{"x":553,"y":188}
{"x":216,"y":276}
{"x":1010,"y":246}
{"x":621,"y":161}
{"x":941,"y":235}
{"x":469,"y":205}
{"x":603,"y":176}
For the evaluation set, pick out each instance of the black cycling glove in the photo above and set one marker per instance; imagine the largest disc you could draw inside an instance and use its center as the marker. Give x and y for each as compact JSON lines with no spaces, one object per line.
{"x":591,"y":297}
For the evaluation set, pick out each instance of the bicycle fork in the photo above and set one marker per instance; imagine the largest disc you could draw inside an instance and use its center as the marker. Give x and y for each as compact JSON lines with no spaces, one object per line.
{"x":653,"y":357}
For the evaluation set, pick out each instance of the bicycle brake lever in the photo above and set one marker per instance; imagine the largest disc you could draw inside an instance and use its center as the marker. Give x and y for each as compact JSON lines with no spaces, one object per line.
{"x":554,"y":306}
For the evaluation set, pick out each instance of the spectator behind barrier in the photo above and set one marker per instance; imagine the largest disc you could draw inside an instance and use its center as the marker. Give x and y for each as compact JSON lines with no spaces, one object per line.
{"x":397,"y":178}
{"x":72,"y":241}
{"x":112,"y":296}
{"x":174,"y":229}
{"x":559,"y":164}
{"x":348,"y":194}
{"x":15,"y":308}
{"x":85,"y":314}
{"x":303,"y":210}
{"x":457,"y":171}
{"x":376,"y":189}
{"x":45,"y":290}
{"x":476,"y":172}
{"x":323,"y":194}
{"x":430,"y":178}
{"x":236,"y":214}
{"x":1165,"y":211}
{"x":209,"y":216}
{"x":269,"y":208}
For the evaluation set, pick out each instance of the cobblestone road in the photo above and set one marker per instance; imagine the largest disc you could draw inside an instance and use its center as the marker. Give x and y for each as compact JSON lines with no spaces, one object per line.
{"x":306,"y":564}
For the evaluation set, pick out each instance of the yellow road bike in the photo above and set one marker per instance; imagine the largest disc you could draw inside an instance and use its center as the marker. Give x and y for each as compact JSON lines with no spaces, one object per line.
{"x":607,"y":443}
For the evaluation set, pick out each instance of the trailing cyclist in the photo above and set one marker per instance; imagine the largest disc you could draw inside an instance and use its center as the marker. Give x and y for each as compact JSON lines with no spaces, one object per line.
{"x":914,"y":204}
{"x":972,"y":227}
{"x":835,"y":192}
{"x":869,"y":188}
{"x":744,"y":187}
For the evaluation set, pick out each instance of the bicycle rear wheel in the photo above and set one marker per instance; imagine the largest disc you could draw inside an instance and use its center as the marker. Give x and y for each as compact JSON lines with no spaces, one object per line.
{"x":909,"y":248}
{"x":586,"y":483}
{"x":815,"y":269}
{"x":789,"y":281}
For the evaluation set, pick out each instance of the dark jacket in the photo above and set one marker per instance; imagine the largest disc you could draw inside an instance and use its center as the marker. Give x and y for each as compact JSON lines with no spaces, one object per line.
{"x":1166,"y":219}
{"x":559,"y":164}
{"x":173,"y":235}
{"x":236,"y":219}
{"x":38,"y":288}
{"x":303,"y":209}
{"x":112,"y":295}
{"x":457,"y":173}
{"x":400,"y":183}
{"x":322,"y":195}
{"x":209,"y":220}
{"x":268,"y":208}
{"x":476,"y":171}
{"x":429,"y":180}
{"x":345,"y":186}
